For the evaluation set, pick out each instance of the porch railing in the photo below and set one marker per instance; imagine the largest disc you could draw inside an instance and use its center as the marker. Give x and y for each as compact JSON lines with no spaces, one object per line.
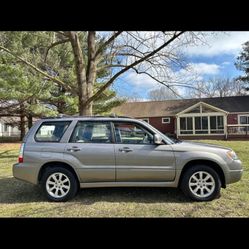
{"x":238,"y":130}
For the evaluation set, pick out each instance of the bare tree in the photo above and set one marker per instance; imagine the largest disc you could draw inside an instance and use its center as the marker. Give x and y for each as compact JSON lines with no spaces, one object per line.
{"x":216,"y":87}
{"x":150,"y":53}
{"x":162,"y":93}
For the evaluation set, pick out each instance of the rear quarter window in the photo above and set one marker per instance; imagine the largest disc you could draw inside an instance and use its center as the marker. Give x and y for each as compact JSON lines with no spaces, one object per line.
{"x":51,"y":131}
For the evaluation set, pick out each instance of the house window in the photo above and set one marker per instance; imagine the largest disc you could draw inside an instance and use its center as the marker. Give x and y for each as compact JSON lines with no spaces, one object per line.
{"x":244,"y":119}
{"x":166,"y":120}
{"x":186,"y":125}
{"x":216,"y":125}
{"x":5,"y":127}
{"x":202,"y":125}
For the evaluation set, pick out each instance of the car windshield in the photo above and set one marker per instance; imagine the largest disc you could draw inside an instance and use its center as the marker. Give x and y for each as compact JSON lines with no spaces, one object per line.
{"x":166,"y":138}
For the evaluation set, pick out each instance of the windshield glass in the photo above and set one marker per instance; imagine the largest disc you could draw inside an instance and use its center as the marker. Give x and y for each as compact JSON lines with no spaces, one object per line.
{"x":166,"y":138}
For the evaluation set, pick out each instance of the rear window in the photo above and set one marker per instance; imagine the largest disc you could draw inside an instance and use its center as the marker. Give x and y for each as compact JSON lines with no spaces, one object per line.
{"x":51,"y":131}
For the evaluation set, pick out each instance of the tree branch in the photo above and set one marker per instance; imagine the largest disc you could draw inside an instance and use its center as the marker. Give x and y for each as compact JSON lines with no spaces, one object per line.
{"x":112,"y":38}
{"x":104,"y":87}
{"x":53,"y":45}
{"x":54,"y":79}
{"x":62,"y":33}
{"x":159,"y":81}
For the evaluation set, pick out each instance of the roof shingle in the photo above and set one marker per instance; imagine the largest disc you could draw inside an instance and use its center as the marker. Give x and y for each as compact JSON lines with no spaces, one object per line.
{"x":172,"y":107}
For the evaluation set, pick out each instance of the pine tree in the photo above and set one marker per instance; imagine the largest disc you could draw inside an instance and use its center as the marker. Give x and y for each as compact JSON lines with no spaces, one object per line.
{"x":33,"y":94}
{"x":243,"y":65}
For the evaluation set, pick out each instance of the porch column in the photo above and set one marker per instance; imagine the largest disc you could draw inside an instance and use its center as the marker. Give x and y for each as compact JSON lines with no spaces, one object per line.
{"x":225,"y":124}
{"x":177,"y":126}
{"x":9,"y":130}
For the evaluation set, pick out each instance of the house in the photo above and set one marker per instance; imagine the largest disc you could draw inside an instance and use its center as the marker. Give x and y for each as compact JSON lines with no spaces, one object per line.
{"x":209,"y":118}
{"x":9,"y":129}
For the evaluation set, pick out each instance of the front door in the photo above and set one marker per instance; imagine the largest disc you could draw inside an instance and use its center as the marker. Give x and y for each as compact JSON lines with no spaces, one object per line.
{"x":138,"y":158}
{"x":92,"y":151}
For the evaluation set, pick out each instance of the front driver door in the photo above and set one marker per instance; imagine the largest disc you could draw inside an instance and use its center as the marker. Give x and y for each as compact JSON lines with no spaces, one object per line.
{"x":138,"y":158}
{"x":92,"y":149}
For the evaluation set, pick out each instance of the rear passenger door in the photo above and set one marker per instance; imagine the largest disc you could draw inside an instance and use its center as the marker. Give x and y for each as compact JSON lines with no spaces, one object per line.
{"x":92,"y":148}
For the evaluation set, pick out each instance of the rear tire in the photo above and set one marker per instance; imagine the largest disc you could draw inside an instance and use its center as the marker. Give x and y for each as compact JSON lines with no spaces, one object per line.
{"x":201,"y":183}
{"x":59,"y":184}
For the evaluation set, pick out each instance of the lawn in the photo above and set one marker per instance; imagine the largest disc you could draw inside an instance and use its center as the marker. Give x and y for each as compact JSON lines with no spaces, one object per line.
{"x":19,"y":199}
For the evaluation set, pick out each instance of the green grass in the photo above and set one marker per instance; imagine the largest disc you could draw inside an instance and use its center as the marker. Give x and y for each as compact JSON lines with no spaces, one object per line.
{"x":20,"y":199}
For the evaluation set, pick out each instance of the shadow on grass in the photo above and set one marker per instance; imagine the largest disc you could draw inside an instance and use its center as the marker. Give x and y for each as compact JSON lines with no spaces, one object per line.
{"x":6,"y":154}
{"x":15,"y":191}
{"x":9,"y":157}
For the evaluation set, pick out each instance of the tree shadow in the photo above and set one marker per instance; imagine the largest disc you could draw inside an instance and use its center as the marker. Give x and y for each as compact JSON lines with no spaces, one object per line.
{"x":8,"y":156}
{"x":16,"y":191}
{"x":5,"y":153}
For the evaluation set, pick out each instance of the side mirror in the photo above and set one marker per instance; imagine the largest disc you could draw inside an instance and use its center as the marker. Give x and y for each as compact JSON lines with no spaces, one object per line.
{"x":157,"y":139}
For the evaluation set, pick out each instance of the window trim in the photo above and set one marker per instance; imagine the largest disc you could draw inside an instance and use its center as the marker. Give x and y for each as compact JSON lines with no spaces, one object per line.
{"x":135,"y":123}
{"x":37,"y":141}
{"x":92,"y":121}
{"x":243,"y":115}
{"x":169,"y":120}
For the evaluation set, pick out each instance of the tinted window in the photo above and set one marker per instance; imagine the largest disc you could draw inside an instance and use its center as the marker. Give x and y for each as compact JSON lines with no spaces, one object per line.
{"x":129,"y":133}
{"x":91,"y":132}
{"x":51,"y":131}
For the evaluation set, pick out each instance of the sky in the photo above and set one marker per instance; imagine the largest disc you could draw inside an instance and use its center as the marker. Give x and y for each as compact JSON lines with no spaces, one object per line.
{"x":214,"y":58}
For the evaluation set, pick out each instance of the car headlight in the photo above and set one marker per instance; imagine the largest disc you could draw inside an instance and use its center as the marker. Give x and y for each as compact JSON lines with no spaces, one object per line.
{"x":232,"y":155}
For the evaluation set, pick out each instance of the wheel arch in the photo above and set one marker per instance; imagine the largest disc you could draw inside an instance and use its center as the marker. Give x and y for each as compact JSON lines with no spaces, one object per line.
{"x":57,"y":164}
{"x":215,"y":166}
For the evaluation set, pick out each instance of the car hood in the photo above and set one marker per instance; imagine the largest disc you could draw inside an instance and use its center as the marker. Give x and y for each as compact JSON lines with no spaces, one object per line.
{"x":197,"y":146}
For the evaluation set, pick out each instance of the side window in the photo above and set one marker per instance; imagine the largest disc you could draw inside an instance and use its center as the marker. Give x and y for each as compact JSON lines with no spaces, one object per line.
{"x":130,"y":133}
{"x":51,"y":131}
{"x":91,"y":132}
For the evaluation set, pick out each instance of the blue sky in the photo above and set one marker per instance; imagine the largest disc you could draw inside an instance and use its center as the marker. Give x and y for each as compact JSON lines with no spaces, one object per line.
{"x":214,"y":58}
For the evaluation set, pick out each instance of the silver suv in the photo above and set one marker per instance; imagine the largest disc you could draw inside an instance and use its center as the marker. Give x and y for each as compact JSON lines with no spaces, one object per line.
{"x":68,"y":153}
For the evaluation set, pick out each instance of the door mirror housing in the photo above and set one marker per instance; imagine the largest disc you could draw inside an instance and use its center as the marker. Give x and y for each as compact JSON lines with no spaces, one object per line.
{"x":157,"y":139}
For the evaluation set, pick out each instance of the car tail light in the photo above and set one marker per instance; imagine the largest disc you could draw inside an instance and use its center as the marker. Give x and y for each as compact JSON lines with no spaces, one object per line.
{"x":20,"y":157}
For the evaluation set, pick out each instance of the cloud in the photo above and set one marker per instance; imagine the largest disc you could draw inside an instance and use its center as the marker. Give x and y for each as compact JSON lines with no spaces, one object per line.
{"x":204,"y":68}
{"x":226,"y":63}
{"x":217,"y":43}
{"x":139,"y":80}
{"x":192,"y":73}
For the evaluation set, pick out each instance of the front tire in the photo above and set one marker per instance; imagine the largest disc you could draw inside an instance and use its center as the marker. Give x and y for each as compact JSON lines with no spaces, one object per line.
{"x":59,"y":184}
{"x":201,"y":183}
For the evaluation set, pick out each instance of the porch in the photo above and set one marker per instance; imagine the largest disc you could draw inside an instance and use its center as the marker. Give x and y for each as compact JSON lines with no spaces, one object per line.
{"x":238,"y":131}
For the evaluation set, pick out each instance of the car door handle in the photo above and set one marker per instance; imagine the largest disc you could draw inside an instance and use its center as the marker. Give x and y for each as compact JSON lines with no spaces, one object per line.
{"x":73,"y":149}
{"x":125,"y":149}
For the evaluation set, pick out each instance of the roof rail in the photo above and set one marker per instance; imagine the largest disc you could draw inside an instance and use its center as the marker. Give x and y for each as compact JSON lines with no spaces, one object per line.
{"x":113,"y":115}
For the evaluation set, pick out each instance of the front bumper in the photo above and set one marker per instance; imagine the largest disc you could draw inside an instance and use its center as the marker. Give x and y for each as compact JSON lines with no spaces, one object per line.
{"x":25,"y":172}
{"x":235,"y":172}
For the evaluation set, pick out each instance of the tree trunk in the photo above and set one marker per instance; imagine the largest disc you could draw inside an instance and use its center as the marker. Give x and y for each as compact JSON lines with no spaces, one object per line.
{"x":22,"y":121}
{"x":87,"y":110}
{"x":91,"y":70}
{"x":80,"y":71}
{"x":30,"y":120}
